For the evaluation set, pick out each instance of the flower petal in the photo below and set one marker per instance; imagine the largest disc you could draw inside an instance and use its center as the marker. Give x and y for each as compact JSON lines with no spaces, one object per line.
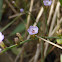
{"x":1,"y":37}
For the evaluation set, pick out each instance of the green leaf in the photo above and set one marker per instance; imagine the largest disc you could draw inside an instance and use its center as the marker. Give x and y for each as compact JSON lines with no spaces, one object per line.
{"x":19,"y":28}
{"x":59,"y":41}
{"x":60,"y":2}
{"x":1,"y":4}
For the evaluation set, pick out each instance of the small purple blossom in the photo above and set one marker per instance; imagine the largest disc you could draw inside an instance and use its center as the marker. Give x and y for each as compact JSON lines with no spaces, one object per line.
{"x":1,"y":37}
{"x":33,"y":30}
{"x":21,"y":10}
{"x":47,"y":2}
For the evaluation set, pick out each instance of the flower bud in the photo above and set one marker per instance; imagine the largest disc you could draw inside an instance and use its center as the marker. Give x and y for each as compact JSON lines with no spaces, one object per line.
{"x":16,"y":40}
{"x":20,"y":37}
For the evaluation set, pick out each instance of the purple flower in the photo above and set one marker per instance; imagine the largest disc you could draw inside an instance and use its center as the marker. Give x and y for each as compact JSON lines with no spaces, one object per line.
{"x":1,"y":37}
{"x":47,"y":2}
{"x":21,"y":10}
{"x":33,"y":30}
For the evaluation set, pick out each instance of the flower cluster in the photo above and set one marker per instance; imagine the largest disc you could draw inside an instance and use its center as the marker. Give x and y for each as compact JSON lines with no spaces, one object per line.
{"x":33,"y":30}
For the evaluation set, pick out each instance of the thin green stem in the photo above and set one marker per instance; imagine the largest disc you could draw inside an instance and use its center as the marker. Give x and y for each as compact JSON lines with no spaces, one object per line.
{"x":7,"y":48}
{"x":9,"y":24}
{"x":14,"y":46}
{"x":42,"y":43}
{"x":45,"y":13}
